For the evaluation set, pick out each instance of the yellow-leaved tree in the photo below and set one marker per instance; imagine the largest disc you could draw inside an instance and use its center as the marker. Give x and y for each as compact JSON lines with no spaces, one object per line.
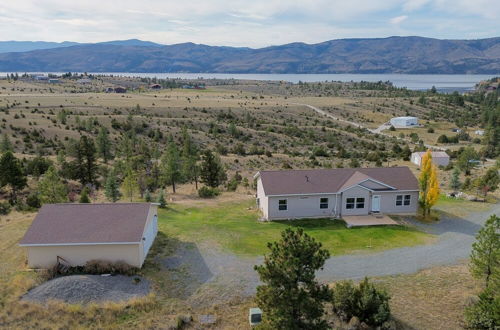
{"x":429,"y":184}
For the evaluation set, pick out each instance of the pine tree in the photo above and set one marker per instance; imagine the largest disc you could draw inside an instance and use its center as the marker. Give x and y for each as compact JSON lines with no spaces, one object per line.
{"x":190,"y":168}
{"x":5,"y":145}
{"x":455,"y":183}
{"x":161,"y":200}
{"x":51,"y":188}
{"x":103,"y":144}
{"x":170,"y":165}
{"x":11,"y":174}
{"x":490,"y":180}
{"x":212,"y":171}
{"x":290,"y":297}
{"x":485,"y":255}
{"x":129,"y":185}
{"x":147,"y":196}
{"x":467,"y":160}
{"x":112,"y":190}
{"x":429,"y":185}
{"x":84,"y":163}
{"x":84,"y":196}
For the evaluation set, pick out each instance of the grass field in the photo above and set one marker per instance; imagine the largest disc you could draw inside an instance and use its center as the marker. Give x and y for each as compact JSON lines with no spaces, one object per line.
{"x":235,"y":227}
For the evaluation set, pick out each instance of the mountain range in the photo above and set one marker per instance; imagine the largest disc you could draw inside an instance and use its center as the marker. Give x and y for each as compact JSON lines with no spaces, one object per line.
{"x":415,"y":55}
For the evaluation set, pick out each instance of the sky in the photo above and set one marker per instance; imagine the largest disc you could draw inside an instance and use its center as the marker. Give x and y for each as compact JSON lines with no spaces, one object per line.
{"x":251,"y":23}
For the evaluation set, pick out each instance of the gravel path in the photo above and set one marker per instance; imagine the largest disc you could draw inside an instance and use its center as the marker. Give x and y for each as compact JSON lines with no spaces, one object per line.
{"x":202,"y":266}
{"x":89,"y":288}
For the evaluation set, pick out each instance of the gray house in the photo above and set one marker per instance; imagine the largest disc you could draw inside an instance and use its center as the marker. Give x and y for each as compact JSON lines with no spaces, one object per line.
{"x":295,"y":194}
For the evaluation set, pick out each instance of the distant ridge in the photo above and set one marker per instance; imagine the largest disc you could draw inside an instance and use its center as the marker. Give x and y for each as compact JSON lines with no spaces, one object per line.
{"x":416,"y":55}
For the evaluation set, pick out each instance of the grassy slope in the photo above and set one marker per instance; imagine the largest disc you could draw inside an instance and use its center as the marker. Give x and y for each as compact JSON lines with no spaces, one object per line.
{"x":235,"y":227}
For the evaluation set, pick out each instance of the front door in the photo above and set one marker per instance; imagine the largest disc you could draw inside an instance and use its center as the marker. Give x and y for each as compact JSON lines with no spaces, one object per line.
{"x":376,"y":203}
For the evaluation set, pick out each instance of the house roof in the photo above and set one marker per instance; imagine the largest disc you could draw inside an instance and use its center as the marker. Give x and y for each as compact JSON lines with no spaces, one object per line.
{"x":60,"y":224}
{"x":434,"y":154}
{"x":324,"y":181}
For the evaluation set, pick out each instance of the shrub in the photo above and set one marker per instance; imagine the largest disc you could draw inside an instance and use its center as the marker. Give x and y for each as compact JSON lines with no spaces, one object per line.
{"x":208,"y":192}
{"x":366,"y":302}
{"x":484,"y":314}
{"x":33,"y":201}
{"x":430,"y":130}
{"x":106,"y":267}
{"x":5,"y":208}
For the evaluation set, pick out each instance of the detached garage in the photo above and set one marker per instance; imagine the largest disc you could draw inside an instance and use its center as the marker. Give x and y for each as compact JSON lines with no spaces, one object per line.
{"x":82,"y":232}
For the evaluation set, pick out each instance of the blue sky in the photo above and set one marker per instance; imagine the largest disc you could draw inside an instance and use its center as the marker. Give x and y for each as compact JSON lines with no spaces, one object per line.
{"x":253,"y":23}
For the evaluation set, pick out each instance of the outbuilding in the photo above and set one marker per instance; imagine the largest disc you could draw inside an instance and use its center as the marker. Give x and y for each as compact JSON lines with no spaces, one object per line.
{"x":439,"y":158}
{"x":77,"y":233}
{"x":404,"y":121}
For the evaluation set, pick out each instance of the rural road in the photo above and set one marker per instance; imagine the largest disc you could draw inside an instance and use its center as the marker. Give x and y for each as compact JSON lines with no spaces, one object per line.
{"x":377,"y":130}
{"x":224,"y":274}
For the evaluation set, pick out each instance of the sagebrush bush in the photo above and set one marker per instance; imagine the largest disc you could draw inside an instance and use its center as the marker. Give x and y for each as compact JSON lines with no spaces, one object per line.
{"x":5,"y":208}
{"x":369,"y":304}
{"x":208,"y":192}
{"x":103,"y":267}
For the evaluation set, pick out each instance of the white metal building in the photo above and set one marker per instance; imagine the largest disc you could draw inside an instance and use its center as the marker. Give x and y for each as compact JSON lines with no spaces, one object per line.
{"x":404,"y":121}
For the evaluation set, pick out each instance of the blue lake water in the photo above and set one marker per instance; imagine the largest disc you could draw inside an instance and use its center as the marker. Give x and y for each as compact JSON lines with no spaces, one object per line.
{"x":443,"y":82}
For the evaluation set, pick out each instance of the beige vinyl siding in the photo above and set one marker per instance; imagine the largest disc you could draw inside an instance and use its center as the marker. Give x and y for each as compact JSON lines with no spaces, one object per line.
{"x":263,"y":199}
{"x":388,"y":202}
{"x":153,"y":211}
{"x":77,"y":255}
{"x":303,"y":206}
{"x":356,"y":192}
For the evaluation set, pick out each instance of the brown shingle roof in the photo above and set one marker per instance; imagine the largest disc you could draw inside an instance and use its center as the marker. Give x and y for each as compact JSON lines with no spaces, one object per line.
{"x":324,"y":181}
{"x":88,"y":223}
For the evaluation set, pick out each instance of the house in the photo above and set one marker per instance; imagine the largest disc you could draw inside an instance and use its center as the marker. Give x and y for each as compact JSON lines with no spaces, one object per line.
{"x":456,"y":130}
{"x":440,"y":158}
{"x":320,"y":193}
{"x":155,"y":86}
{"x":53,"y":81}
{"x":120,"y":90}
{"x":109,"y":90}
{"x":78,"y":233}
{"x":84,"y":81}
{"x":479,"y":132}
{"x":404,"y":121}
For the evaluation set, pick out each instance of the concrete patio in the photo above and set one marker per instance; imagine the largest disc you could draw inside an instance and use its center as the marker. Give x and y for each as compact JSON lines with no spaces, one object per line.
{"x":376,"y":219}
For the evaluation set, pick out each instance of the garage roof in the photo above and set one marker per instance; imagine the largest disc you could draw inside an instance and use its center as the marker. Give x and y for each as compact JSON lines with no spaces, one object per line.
{"x":324,"y":181}
{"x":73,"y":224}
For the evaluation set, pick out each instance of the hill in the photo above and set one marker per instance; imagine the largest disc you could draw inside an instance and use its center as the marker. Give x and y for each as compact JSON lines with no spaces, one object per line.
{"x":384,"y":55}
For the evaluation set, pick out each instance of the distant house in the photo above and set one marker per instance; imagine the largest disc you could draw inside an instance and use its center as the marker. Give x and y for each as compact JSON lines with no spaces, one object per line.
{"x":109,"y":90}
{"x":456,"y":130}
{"x":404,"y":121}
{"x":120,"y":90}
{"x":53,"y":81}
{"x":440,"y":158}
{"x":295,"y":194}
{"x":42,"y":78}
{"x":155,"y":86}
{"x":78,"y":233}
{"x":479,"y":132}
{"x":84,"y":81}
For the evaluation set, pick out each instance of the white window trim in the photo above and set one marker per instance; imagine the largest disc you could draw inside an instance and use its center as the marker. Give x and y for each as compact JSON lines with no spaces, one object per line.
{"x":286,"y":204}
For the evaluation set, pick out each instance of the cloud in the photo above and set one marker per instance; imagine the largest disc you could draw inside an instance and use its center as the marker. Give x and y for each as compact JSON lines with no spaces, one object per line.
{"x":398,"y":19}
{"x":253,"y":23}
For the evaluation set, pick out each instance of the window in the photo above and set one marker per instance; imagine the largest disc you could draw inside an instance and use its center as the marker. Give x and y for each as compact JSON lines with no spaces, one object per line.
{"x":403,"y":200}
{"x":323,"y":203}
{"x":349,"y":203}
{"x":360,"y":203}
{"x":282,"y":205}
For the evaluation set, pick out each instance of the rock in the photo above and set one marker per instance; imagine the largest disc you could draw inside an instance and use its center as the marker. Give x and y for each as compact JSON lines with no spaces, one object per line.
{"x":364,"y":326}
{"x":353,"y":323}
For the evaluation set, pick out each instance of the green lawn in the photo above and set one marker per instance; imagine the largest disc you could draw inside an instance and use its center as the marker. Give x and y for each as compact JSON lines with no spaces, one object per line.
{"x":235,"y":227}
{"x":460,"y":207}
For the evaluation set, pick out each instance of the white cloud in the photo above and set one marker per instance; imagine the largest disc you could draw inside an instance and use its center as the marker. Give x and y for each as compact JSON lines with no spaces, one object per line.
{"x":398,"y":19}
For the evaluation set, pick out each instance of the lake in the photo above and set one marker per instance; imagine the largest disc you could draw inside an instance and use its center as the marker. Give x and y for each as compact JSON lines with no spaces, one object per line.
{"x":443,"y":82}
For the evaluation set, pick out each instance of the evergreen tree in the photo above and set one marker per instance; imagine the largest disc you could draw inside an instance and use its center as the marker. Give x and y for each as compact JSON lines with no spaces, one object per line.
{"x":212,"y":171}
{"x":84,"y":196}
{"x":129,"y":185}
{"x":190,"y":168}
{"x":171,"y":170}
{"x":103,"y":144}
{"x":11,"y":174}
{"x":429,"y":185}
{"x":5,"y":145}
{"x":51,"y":188}
{"x":84,"y":165}
{"x":485,"y":255}
{"x":467,"y":160}
{"x":147,"y":196}
{"x":290,"y":297}
{"x":161,"y":200}
{"x":455,"y":183}
{"x":490,"y":180}
{"x":112,"y":190}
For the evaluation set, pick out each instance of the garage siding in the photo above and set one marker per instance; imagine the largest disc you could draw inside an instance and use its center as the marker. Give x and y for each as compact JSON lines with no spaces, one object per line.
{"x":78,"y":255}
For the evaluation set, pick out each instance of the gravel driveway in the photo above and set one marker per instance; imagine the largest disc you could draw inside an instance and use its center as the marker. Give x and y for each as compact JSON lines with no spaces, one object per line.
{"x":200,"y":265}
